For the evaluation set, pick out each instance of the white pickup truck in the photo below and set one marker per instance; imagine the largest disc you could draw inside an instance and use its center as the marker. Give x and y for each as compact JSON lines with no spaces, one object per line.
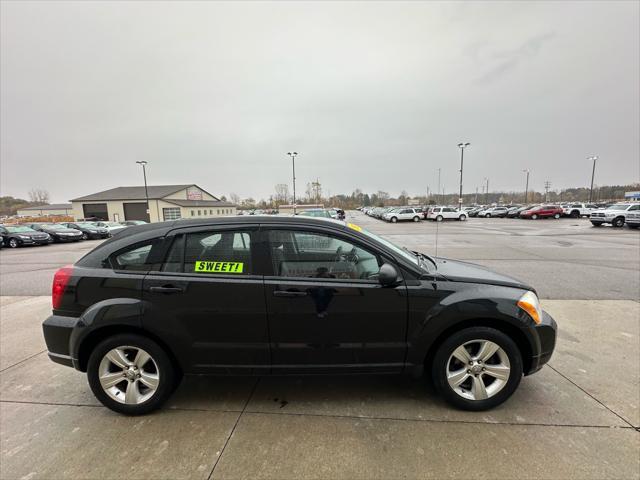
{"x":575,"y":210}
{"x":615,"y":214}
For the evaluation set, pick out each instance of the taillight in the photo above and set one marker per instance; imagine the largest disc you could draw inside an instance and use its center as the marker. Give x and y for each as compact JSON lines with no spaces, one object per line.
{"x":60,"y":281}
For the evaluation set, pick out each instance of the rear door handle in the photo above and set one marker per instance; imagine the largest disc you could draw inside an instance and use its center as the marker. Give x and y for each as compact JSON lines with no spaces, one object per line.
{"x":168,"y":289}
{"x":289,"y":293}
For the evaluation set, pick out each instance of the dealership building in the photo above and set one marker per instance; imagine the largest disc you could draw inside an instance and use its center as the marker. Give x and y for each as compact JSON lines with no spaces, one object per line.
{"x":166,"y":202}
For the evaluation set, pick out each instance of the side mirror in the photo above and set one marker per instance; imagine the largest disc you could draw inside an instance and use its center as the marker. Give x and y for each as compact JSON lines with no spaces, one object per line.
{"x":388,"y":275}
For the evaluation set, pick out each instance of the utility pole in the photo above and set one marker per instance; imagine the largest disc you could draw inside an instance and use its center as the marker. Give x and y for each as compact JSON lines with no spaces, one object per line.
{"x":486,"y":194}
{"x":526,"y":188}
{"x":593,"y":173}
{"x":439,"y":187}
{"x":293,"y":156}
{"x":476,"y":200}
{"x":461,"y":146}
{"x":547,"y":185}
{"x":146,"y":192}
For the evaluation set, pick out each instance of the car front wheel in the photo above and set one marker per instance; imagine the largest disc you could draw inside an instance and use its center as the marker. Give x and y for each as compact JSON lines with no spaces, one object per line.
{"x":477,"y":368}
{"x":13,"y":243}
{"x":130,"y":374}
{"x":439,"y":218}
{"x":394,"y":219}
{"x":556,"y":216}
{"x":618,"y":222}
{"x":416,"y":219}
{"x":462,"y":218}
{"x":534,"y":217}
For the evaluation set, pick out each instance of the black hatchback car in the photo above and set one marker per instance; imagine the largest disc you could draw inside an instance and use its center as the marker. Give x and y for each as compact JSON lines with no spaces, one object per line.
{"x":288,"y":295}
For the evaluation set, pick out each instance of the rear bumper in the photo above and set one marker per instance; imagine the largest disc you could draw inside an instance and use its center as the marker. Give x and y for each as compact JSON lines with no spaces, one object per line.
{"x":546,"y":331}
{"x":57,"y":333}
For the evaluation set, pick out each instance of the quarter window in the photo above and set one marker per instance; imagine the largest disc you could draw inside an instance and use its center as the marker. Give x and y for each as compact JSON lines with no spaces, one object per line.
{"x":317,"y":255}
{"x":138,"y":257}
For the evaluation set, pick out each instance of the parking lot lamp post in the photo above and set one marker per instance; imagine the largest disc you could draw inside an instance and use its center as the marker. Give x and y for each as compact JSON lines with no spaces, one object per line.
{"x":486,"y":192}
{"x":526,"y":188}
{"x":461,"y":146}
{"x":293,"y":156}
{"x":593,"y":173}
{"x":146,"y":192}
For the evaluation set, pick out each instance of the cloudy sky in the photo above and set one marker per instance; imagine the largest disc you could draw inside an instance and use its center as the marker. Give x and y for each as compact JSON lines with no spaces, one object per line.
{"x":373,"y":95}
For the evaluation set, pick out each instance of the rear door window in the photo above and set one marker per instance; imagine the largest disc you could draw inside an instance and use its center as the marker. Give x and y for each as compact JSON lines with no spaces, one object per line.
{"x":211,"y":252}
{"x":137,"y":257}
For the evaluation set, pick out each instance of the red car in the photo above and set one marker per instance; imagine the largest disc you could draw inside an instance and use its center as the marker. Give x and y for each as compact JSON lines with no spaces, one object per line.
{"x":542,"y":211}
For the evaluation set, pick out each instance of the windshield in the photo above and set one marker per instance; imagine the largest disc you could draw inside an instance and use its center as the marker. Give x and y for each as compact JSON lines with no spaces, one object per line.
{"x":54,"y":227}
{"x":86,"y":225}
{"x":18,"y":229}
{"x":399,"y":250}
{"x":618,"y":207}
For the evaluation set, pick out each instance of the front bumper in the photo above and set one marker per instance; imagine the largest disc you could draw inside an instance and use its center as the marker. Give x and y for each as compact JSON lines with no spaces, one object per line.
{"x":57,"y":333}
{"x":546,"y":331}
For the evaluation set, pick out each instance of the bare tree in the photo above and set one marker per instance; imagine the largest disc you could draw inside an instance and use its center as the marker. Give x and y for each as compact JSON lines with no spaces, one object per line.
{"x":39,"y":196}
{"x":282,"y":193}
{"x":235,"y":198}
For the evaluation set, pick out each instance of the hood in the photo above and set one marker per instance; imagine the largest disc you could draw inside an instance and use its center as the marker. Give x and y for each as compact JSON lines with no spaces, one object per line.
{"x":31,"y":234}
{"x":457,"y":271}
{"x":61,"y":230}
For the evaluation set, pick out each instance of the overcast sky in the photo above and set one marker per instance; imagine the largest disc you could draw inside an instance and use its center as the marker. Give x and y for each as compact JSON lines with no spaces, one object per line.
{"x":373,"y":95}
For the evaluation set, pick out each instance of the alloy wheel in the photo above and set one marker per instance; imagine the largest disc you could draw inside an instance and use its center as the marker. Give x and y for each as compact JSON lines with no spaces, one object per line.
{"x":478,"y":369}
{"x":13,"y":243}
{"x":129,"y":375}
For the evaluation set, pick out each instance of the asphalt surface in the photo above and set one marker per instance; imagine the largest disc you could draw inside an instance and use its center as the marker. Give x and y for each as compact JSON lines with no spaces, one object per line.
{"x":579,"y":417}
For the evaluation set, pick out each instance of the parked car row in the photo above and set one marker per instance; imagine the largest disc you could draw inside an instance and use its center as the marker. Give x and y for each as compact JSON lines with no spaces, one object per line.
{"x":395,"y":214}
{"x":44,"y":233}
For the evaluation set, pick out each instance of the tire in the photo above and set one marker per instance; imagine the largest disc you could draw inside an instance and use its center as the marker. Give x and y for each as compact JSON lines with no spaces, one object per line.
{"x":575,"y":214}
{"x":462,"y":218}
{"x":444,"y":361}
{"x":556,"y":216}
{"x":416,"y":219}
{"x":534,"y":217}
{"x":439,"y":218}
{"x":618,"y":222}
{"x":596,"y":224}
{"x":393,"y":220}
{"x":488,"y":215}
{"x":159,"y":364}
{"x":13,"y":243}
{"x":85,"y":236}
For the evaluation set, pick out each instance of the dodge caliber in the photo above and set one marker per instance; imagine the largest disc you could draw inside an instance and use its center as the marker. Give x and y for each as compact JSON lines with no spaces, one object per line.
{"x":288,"y":295}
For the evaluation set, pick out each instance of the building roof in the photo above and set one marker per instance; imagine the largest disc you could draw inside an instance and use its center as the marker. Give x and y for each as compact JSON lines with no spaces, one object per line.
{"x":198,"y":203}
{"x":51,"y":206}
{"x":156,"y":192}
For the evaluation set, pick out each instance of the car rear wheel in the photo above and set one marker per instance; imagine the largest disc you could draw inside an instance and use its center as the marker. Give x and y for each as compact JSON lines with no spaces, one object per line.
{"x":575,"y":214}
{"x":488,"y":215}
{"x":416,"y":219}
{"x":618,"y":222}
{"x":462,"y":218}
{"x":394,"y":219}
{"x":439,"y":218}
{"x":556,"y":216}
{"x":130,"y":374}
{"x":477,"y":368}
{"x":13,"y":243}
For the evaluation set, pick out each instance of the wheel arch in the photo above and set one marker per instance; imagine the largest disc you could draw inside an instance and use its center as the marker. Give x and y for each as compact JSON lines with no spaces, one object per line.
{"x":516,"y":334}
{"x":92,"y":339}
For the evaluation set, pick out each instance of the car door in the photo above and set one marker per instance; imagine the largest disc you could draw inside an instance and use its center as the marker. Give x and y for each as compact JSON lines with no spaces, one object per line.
{"x":208,"y":295}
{"x":327,"y":310}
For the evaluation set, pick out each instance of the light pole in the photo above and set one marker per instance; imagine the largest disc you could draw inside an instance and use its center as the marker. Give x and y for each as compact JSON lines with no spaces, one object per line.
{"x":146,"y":192}
{"x":526,"y":188}
{"x":461,"y":146}
{"x":293,"y":156}
{"x":486,"y":192}
{"x":593,"y":173}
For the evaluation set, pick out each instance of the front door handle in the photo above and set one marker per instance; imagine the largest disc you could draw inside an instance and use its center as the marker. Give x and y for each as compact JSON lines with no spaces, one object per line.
{"x":289,"y":293}
{"x":168,"y":289}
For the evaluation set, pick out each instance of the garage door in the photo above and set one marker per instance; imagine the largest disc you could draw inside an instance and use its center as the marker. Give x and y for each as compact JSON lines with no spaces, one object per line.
{"x":135,"y":211}
{"x":95,"y":210}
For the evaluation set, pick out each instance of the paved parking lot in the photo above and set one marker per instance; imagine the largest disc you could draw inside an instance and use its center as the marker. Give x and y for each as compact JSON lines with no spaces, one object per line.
{"x":577,"y":418}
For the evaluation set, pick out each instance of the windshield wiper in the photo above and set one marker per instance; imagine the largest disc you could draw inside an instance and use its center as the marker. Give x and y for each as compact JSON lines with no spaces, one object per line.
{"x":422,"y":256}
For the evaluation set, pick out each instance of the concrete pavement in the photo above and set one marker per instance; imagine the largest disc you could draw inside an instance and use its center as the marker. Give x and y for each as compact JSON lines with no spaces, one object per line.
{"x":577,"y":418}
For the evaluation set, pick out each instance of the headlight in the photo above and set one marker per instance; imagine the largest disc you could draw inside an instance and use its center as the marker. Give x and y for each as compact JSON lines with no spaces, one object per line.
{"x":529,"y":303}
{"x":26,"y":237}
